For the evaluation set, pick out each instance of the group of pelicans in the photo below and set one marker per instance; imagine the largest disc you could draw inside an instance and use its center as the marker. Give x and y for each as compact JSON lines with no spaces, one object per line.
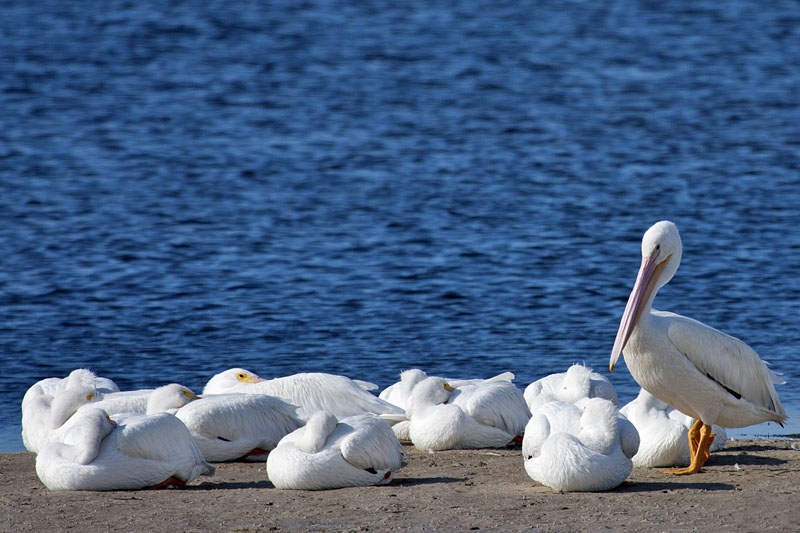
{"x":320,"y":431}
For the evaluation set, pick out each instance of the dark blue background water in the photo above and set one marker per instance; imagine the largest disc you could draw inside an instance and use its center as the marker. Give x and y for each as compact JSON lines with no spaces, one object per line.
{"x":363,"y":187}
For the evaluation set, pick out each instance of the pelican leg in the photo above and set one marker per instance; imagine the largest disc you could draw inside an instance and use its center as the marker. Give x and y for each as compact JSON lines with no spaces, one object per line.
{"x":169,"y":483}
{"x":694,"y":437}
{"x":701,"y":453}
{"x":256,"y":452}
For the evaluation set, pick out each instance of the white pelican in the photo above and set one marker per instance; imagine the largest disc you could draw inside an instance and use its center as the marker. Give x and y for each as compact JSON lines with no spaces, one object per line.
{"x":326,"y":454}
{"x":487,"y":415}
{"x":78,"y":377}
{"x":585,"y":446}
{"x":228,"y":427}
{"x":37,"y":419}
{"x":700,"y":371}
{"x":663,"y":432}
{"x":163,"y":399}
{"x":577,"y":382}
{"x":399,"y":394}
{"x":44,"y":416}
{"x":135,"y":452}
{"x":310,"y":392}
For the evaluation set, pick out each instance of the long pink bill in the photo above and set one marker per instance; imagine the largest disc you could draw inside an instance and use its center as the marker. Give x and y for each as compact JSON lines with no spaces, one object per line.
{"x":640,"y":295}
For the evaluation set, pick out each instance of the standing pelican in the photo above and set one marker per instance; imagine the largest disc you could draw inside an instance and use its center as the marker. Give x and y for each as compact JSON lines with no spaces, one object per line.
{"x":700,"y":371}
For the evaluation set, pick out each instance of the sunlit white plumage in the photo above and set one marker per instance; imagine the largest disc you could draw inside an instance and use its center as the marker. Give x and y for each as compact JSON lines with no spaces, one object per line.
{"x":663,"y":432}
{"x":585,"y":446}
{"x":310,"y":392}
{"x":164,"y":399}
{"x":38,"y":420}
{"x":44,"y":416}
{"x":576,"y":383}
{"x":399,"y":394}
{"x":325,"y":454}
{"x":227,"y":427}
{"x":484,"y":415}
{"x":138,"y":451}
{"x":700,"y":371}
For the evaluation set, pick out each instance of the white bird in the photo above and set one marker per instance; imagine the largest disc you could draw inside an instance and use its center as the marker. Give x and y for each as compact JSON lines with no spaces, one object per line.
{"x":135,"y":452}
{"x":37,"y":419}
{"x":585,"y":446}
{"x":310,"y":392}
{"x":663,"y":432}
{"x":45,"y":415}
{"x":700,"y":371}
{"x":228,"y":427}
{"x":577,"y":382}
{"x":164,"y":399}
{"x":399,"y":394}
{"x":325,"y":454}
{"x":487,"y":415}
{"x":78,"y":377}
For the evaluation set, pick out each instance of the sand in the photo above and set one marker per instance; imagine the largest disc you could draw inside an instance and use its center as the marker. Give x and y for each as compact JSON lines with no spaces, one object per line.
{"x":751,"y":485}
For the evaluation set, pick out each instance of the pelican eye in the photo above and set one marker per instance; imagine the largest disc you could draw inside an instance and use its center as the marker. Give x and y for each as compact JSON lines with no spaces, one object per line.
{"x":90,"y":396}
{"x":241,"y":376}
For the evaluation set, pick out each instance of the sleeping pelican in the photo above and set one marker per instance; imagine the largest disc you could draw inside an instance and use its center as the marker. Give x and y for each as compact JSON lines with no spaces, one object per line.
{"x":40,"y":418}
{"x":327,"y":454}
{"x":487,"y":415}
{"x":134,"y":452}
{"x":700,"y":371}
{"x":310,"y":392}
{"x":163,"y":399}
{"x":45,"y":417}
{"x":399,"y":394}
{"x":577,"y":382}
{"x":228,"y":427}
{"x":584,"y":446}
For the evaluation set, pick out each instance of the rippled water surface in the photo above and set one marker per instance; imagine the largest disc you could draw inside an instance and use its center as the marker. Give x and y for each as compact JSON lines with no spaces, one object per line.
{"x":365,"y":187}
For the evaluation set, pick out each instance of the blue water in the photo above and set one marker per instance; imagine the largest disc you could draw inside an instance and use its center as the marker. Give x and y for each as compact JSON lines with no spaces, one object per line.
{"x":364,"y":187}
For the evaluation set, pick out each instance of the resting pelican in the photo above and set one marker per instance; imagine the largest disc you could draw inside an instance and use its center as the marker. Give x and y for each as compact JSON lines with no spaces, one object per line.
{"x":327,"y":454}
{"x":487,"y":415}
{"x":399,"y":394}
{"x":163,"y":399}
{"x":584,"y":446}
{"x":234,"y":426}
{"x":577,"y":382}
{"x":310,"y":392}
{"x":39,"y":417}
{"x":133,"y":452}
{"x":700,"y":371}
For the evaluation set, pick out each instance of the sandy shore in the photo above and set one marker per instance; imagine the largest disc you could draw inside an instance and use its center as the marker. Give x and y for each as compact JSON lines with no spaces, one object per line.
{"x":752,"y":485}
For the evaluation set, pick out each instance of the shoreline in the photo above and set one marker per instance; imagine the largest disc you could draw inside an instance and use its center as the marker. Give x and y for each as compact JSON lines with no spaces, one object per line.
{"x":751,"y":485}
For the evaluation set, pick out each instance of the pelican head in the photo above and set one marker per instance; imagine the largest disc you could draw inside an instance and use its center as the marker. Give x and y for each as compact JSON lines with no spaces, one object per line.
{"x":429,"y":392}
{"x":661,"y":255}
{"x":230,"y":381}
{"x":169,"y":398}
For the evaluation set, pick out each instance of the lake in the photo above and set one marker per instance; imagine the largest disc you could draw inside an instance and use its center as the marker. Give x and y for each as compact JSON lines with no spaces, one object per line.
{"x":360,"y":188}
